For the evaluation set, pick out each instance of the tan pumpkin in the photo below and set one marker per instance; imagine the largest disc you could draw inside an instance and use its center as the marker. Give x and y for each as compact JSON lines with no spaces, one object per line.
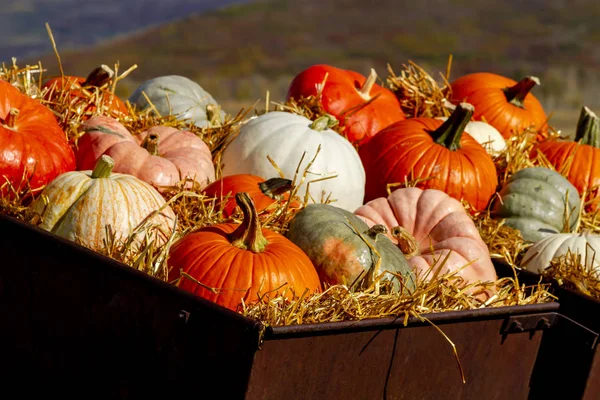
{"x":161,"y":156}
{"x":79,"y":205}
{"x":440,"y":225}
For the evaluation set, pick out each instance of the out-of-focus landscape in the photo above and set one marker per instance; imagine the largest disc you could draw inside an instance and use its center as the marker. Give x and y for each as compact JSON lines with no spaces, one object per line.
{"x":239,"y":51}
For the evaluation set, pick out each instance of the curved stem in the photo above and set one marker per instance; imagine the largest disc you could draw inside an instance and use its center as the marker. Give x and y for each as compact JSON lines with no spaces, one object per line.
{"x":450,"y":133}
{"x":516,"y":94}
{"x":103,"y":167}
{"x":376,"y":230}
{"x":248,"y":236}
{"x":275,"y":187}
{"x":11,"y":118}
{"x":325,"y":121}
{"x":406,"y":241}
{"x":365,"y":90}
{"x":150,"y":143}
{"x":588,"y":128}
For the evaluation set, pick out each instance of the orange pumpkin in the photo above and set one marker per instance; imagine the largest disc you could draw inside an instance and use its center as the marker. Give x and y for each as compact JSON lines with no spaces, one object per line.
{"x":34,"y":147}
{"x":80,"y":90}
{"x":264,"y":193}
{"x":361,"y":105}
{"x":437,"y":153}
{"x":240,"y":261}
{"x":578,"y":160}
{"x":507,"y":105}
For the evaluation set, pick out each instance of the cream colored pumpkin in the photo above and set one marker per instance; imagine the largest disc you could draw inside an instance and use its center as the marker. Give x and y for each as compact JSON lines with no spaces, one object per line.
{"x":486,"y":135}
{"x":538,"y":257}
{"x":79,"y":205}
{"x":289,"y":138}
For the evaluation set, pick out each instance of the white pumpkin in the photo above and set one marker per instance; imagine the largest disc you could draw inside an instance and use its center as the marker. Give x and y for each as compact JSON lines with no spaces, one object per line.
{"x":80,"y":204}
{"x":538,"y":257}
{"x":284,"y":137}
{"x":486,"y":135}
{"x":179,"y":96}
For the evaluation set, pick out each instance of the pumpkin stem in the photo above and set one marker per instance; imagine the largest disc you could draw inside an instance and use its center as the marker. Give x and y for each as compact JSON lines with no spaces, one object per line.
{"x":150,"y":143}
{"x":450,"y":132}
{"x":275,"y":187}
{"x":99,"y":76}
{"x":248,"y":235}
{"x":406,"y":242}
{"x":325,"y":121}
{"x":365,"y":90}
{"x":376,"y":230}
{"x":11,"y":118}
{"x":103,"y":167}
{"x":516,"y":94}
{"x":588,"y":128}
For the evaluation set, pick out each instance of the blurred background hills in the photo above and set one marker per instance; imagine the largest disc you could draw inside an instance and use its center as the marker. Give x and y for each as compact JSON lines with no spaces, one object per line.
{"x":238,"y":50}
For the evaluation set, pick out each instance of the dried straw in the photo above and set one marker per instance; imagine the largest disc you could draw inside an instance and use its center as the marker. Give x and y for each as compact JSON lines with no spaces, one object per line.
{"x":342,"y":303}
{"x":420,"y":95}
{"x":569,"y":271}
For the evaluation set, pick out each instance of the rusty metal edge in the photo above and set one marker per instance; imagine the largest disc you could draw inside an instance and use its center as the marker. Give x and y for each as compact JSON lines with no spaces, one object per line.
{"x":279,"y":332}
{"x":122,"y":268}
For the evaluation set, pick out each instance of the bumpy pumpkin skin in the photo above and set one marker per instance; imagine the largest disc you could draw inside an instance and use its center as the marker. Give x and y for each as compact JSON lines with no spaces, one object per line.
{"x":334,"y":239}
{"x":33,"y":145}
{"x":179,"y":154}
{"x":241,"y":272}
{"x":361,"y":114}
{"x":81,"y":203}
{"x":486,"y":92}
{"x":533,"y":201}
{"x":288,"y":138}
{"x":179,"y":96}
{"x":440,"y":225}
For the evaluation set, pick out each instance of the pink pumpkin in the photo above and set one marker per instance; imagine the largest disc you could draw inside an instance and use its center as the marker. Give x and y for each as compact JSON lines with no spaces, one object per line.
{"x":161,"y":156}
{"x":440,"y":225}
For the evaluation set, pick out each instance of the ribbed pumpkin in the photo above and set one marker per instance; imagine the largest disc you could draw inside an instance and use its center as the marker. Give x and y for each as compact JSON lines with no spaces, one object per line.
{"x":162,"y":156}
{"x":358,"y":102}
{"x":179,"y":96}
{"x":263,"y":192}
{"x":440,"y":152}
{"x":80,"y":205}
{"x":440,"y":225}
{"x":288,"y":139}
{"x":533,"y":201}
{"x":240,"y":262}
{"x":507,"y":105}
{"x":538,"y":257}
{"x":34,"y":147}
{"x":578,"y":160}
{"x":79,"y":90}
{"x":340,"y":245}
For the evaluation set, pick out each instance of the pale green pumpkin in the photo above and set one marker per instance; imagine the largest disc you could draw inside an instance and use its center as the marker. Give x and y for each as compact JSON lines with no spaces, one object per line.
{"x":344,"y":250}
{"x":179,"y":96}
{"x":533,"y":201}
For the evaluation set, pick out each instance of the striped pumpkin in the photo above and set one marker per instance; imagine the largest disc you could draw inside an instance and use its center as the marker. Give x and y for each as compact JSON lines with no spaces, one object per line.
{"x":79,"y":205}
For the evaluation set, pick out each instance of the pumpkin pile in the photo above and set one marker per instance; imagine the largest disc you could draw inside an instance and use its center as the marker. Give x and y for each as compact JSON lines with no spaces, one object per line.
{"x":352,"y":189}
